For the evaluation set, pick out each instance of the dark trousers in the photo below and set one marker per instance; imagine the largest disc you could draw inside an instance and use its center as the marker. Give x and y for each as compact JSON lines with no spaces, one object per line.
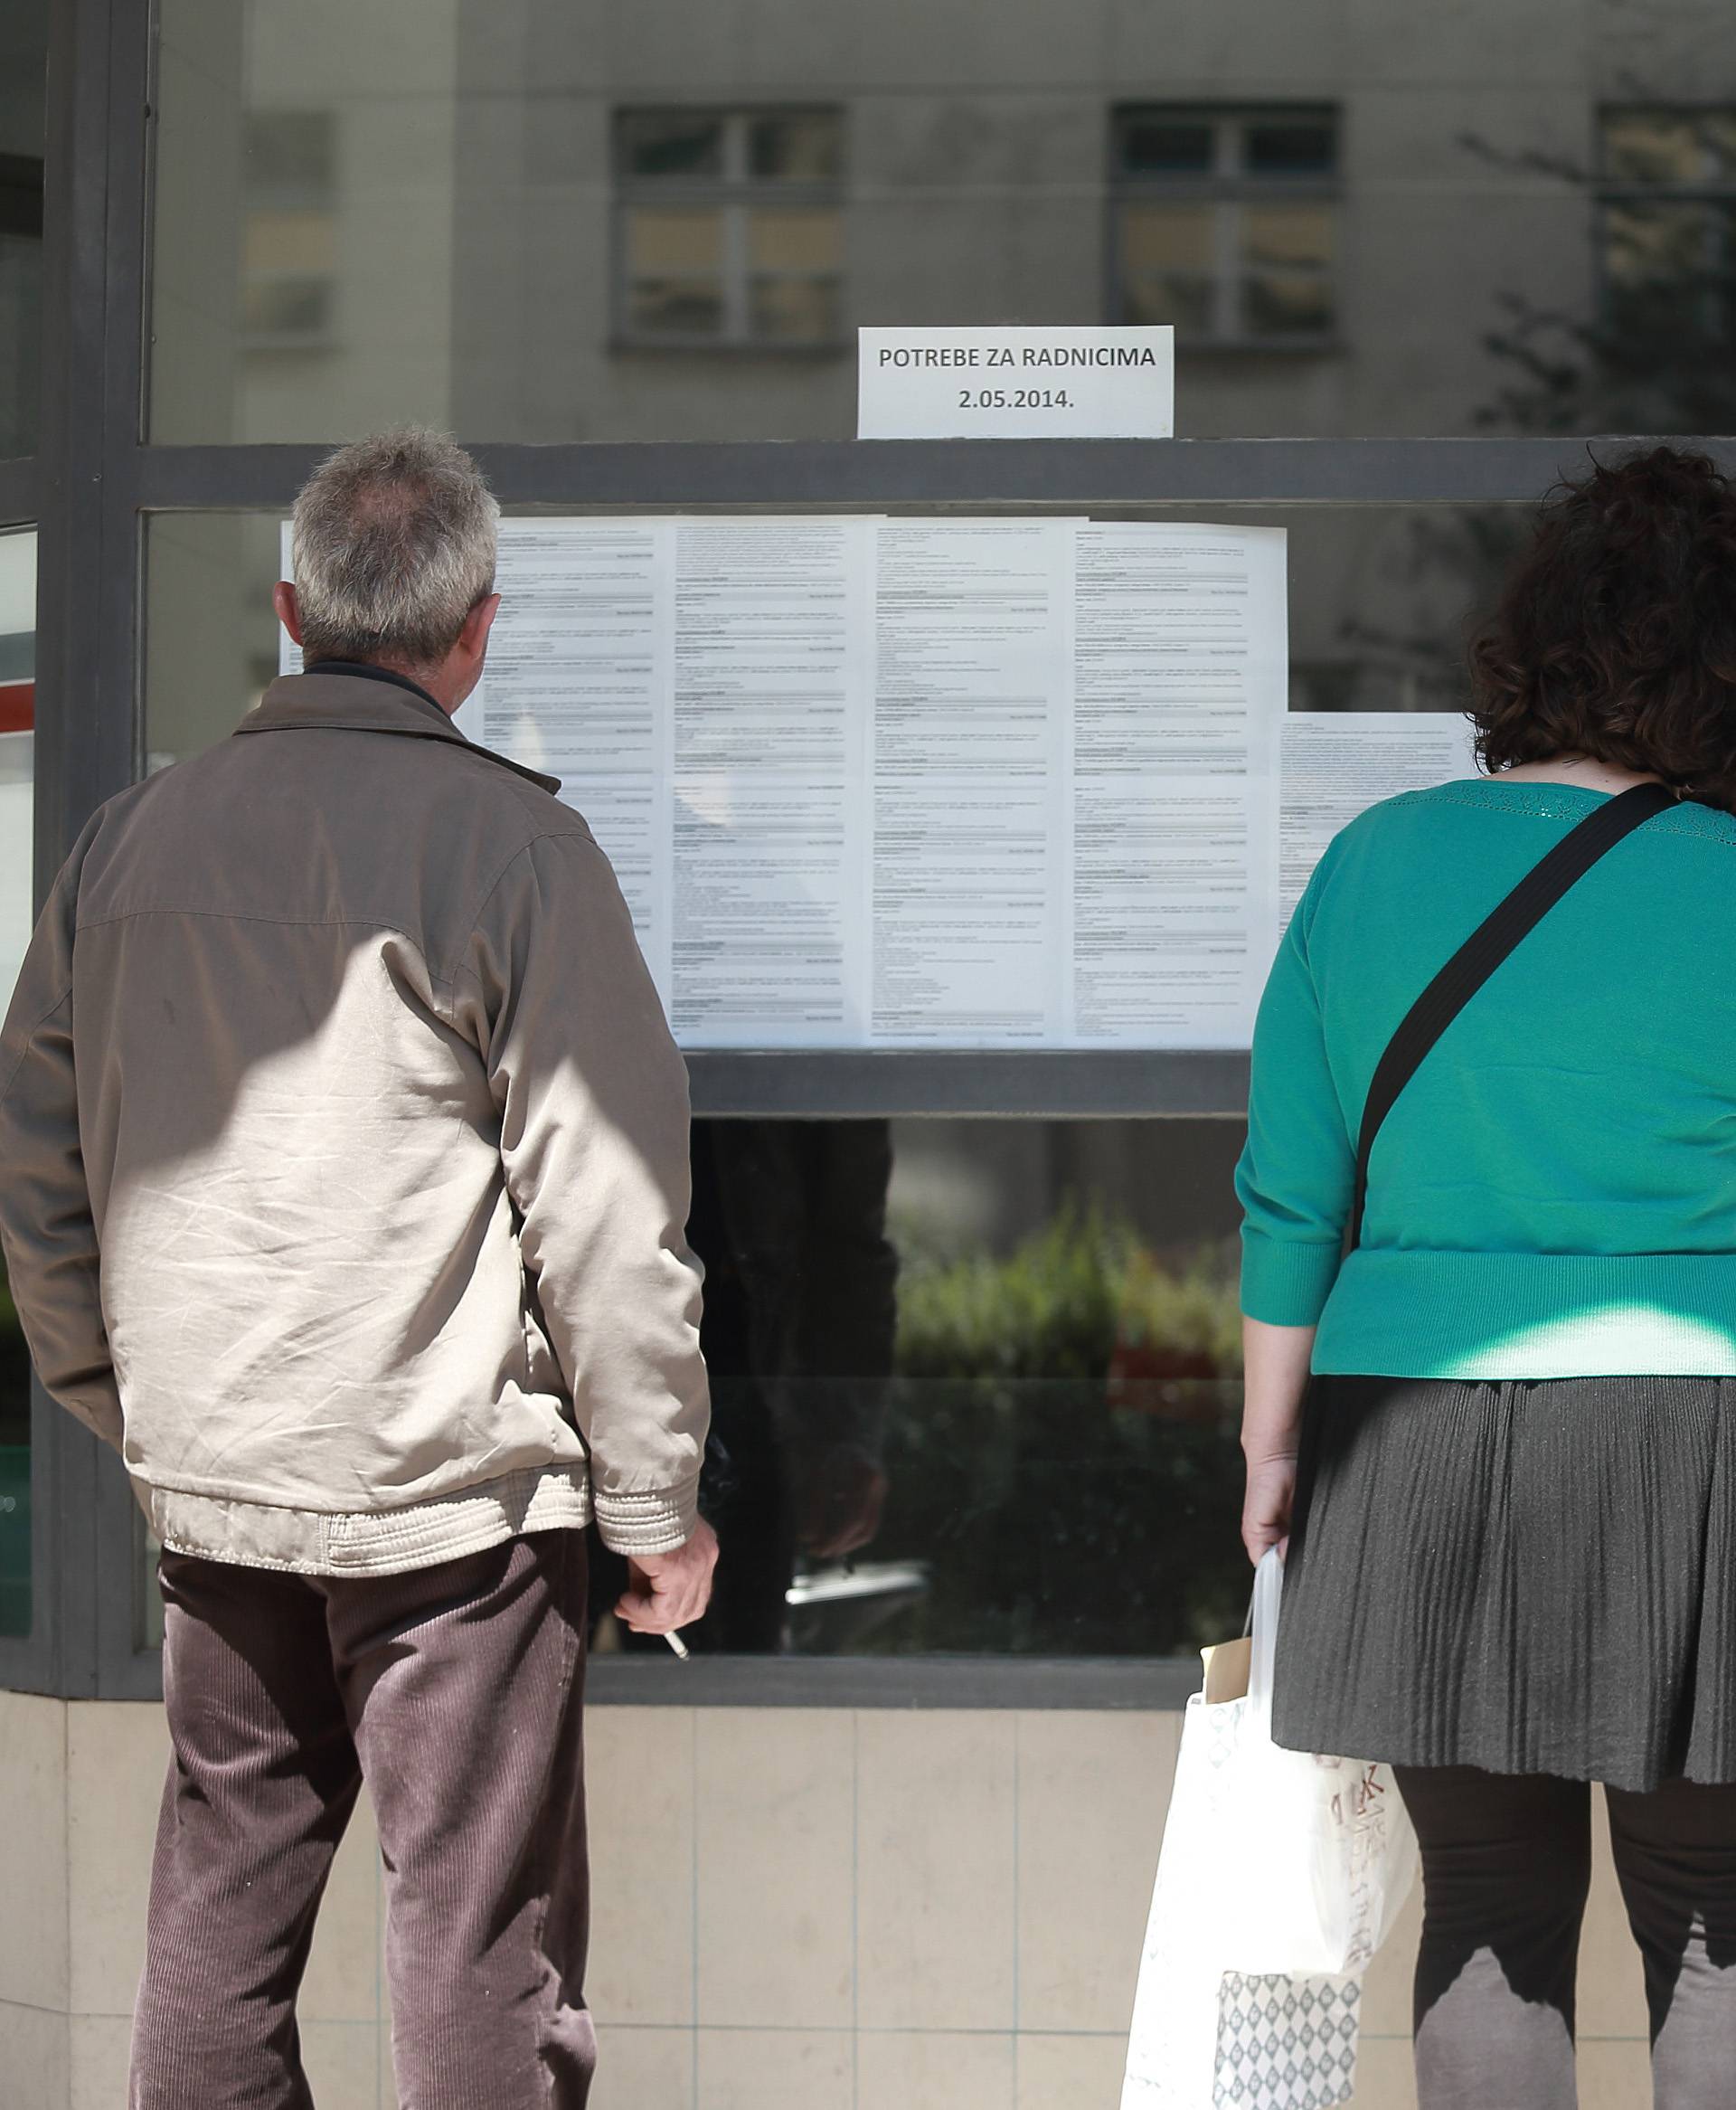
{"x":1506,"y":1865}
{"x":456,"y":1692}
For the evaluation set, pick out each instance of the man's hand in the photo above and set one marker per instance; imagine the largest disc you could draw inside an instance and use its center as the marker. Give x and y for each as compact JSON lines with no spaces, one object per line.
{"x":667,"y":1590}
{"x":1266,"y":1507}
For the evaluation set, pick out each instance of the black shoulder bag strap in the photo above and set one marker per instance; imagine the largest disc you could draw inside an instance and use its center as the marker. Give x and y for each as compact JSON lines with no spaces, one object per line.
{"x":1483,"y":950}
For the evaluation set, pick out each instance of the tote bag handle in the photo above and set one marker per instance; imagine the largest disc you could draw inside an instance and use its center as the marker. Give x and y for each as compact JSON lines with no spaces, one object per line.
{"x":1262,"y":1619}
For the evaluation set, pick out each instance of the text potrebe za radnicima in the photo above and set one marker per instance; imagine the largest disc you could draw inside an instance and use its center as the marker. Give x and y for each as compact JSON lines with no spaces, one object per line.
{"x":1017,"y":355}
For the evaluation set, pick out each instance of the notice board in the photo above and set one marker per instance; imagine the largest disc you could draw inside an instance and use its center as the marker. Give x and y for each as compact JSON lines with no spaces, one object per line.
{"x":919,"y":782}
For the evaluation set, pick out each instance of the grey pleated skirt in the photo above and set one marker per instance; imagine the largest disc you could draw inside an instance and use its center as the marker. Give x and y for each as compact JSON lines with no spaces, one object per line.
{"x":1528,"y":1577}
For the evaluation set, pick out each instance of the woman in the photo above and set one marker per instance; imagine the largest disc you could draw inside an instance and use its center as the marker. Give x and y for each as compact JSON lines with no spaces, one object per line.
{"x":1499,"y":1435}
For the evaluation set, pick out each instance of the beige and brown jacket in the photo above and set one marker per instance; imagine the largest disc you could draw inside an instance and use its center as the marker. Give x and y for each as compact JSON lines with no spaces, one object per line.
{"x":343,"y":1167}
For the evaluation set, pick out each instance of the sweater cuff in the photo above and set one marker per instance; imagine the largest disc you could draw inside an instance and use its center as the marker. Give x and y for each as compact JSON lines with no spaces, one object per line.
{"x":1285,"y":1281}
{"x":660,"y":1522}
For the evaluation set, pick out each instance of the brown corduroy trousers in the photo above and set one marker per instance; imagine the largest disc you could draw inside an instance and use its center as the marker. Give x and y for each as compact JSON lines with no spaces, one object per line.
{"x":456,"y":1692}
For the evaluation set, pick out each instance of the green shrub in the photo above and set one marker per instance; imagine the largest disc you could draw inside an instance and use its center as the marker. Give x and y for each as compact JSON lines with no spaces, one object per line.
{"x":1061,"y":1304}
{"x":1061,"y":1446}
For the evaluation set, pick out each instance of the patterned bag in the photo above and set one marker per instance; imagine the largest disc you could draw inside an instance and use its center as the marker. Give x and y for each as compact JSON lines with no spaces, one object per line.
{"x":1286,"y":2043}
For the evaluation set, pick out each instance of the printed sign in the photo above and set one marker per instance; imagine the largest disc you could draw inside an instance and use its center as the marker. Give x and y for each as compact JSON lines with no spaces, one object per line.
{"x":1023,"y":383}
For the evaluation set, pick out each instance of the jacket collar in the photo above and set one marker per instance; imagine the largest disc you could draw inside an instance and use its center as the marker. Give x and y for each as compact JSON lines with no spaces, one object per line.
{"x":353,"y":703}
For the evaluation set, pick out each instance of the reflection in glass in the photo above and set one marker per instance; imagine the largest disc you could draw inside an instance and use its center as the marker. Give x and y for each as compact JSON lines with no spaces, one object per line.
{"x":800,"y":1325}
{"x":1225,"y":225}
{"x":674,"y":272}
{"x":1163,"y":145}
{"x":1287,"y":257}
{"x":1286,"y":305}
{"x":726,"y":253}
{"x":976,"y":1386}
{"x":24,"y":44}
{"x":794,"y":311}
{"x":472,"y":267}
{"x":353,"y":230}
{"x":289,"y":247}
{"x":799,"y":146}
{"x":1290,"y":146}
{"x":1672,"y":146}
{"x":17,"y":773}
{"x":1168,"y":265}
{"x":795,"y":264}
{"x":1294,"y":235}
{"x":1668,"y":230}
{"x":661,"y":143}
{"x":1655,"y":350}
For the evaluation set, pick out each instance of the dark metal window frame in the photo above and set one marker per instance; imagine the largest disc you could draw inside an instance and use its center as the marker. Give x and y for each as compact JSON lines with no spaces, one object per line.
{"x":90,"y":491}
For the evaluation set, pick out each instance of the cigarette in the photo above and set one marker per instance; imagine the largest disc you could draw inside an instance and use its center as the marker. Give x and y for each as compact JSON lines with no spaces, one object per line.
{"x":677,"y":1644}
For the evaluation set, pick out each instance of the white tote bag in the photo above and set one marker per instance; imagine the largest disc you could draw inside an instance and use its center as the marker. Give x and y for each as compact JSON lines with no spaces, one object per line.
{"x":1279,"y":1875}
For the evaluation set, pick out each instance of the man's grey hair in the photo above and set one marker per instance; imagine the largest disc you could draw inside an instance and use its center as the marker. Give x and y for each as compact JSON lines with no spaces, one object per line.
{"x":394,"y":541}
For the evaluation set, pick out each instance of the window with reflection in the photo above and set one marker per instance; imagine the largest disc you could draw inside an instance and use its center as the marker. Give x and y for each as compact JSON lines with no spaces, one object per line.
{"x":1224,"y":221}
{"x":1667,"y":228}
{"x":975,"y":1386}
{"x":288,"y":249}
{"x":1497,"y":219}
{"x":730,"y":227}
{"x":17,"y":776}
{"x":964,"y":1371}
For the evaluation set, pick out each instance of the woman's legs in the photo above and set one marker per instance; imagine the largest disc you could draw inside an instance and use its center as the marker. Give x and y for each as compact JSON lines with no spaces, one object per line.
{"x":1506,"y":1863}
{"x":1675,"y":1855}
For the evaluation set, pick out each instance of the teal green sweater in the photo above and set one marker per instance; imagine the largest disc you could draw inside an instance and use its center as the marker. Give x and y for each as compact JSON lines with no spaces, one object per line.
{"x":1553,"y":1193}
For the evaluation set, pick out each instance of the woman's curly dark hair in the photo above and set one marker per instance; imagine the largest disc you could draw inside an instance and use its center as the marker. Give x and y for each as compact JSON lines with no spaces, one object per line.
{"x":1615,"y":636}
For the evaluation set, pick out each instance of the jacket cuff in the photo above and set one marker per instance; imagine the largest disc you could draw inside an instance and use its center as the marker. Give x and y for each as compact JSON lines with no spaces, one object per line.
{"x":1285,"y":1281}
{"x":659,"y":1522}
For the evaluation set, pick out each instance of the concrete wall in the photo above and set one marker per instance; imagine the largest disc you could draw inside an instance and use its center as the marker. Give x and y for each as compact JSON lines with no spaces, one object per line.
{"x":804,"y":1910}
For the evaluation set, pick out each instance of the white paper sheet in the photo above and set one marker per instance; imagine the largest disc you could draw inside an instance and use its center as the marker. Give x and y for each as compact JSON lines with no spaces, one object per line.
{"x":1013,"y":382}
{"x":577,"y":684}
{"x":772,"y":673}
{"x":1337,"y":764}
{"x":1180,"y":678}
{"x":913,"y":783}
{"x":971,"y":734}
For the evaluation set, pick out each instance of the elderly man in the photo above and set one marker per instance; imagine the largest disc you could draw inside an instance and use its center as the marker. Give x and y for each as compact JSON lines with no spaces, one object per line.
{"x":343,"y":1181}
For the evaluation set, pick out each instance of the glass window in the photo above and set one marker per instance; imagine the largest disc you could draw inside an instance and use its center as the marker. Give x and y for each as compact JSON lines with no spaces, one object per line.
{"x":1661,"y":346}
{"x":1290,"y":146}
{"x":521,"y":225}
{"x":17,"y":777}
{"x":962,"y":1372}
{"x":1016,"y":1369}
{"x":674,"y":274}
{"x":1378,"y":599}
{"x":1154,"y":144}
{"x":731,"y":228}
{"x":24,"y":47}
{"x":288,"y":249}
{"x":1225,"y":226}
